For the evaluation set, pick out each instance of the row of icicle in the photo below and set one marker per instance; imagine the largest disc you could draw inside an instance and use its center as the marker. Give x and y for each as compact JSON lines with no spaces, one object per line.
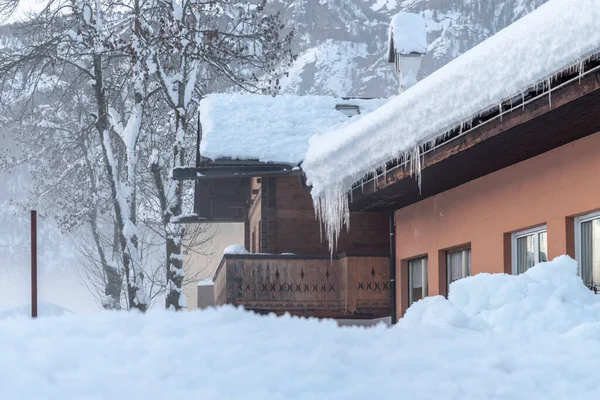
{"x":332,"y":205}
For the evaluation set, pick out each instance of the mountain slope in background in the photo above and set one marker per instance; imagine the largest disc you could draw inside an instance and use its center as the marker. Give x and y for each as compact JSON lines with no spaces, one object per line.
{"x":342,"y":44}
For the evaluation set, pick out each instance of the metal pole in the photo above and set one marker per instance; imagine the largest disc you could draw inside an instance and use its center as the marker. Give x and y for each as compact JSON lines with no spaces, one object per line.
{"x":393,"y":267}
{"x":34,"y":286}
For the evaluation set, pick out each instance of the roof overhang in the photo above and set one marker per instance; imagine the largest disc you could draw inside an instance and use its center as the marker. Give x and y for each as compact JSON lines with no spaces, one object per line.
{"x":226,"y":168}
{"x":222,"y":187}
{"x":506,"y":138}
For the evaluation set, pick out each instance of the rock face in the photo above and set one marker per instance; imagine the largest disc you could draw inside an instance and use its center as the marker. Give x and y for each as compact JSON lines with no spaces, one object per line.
{"x":342,"y":44}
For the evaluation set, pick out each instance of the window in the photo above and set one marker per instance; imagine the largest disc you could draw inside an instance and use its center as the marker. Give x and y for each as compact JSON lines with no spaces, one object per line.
{"x":458,"y":264}
{"x":587,"y":248}
{"x":417,"y":279}
{"x":529,"y":248}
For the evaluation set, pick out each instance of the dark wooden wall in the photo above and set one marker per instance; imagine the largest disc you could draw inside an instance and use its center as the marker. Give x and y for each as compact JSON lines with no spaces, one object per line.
{"x":288,"y":224}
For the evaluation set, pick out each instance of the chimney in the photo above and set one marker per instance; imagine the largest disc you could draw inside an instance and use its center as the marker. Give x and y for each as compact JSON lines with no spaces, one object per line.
{"x":407,"y":44}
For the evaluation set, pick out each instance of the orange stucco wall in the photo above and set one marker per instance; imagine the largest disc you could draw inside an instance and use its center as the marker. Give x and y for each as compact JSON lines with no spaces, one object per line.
{"x":549,"y":189}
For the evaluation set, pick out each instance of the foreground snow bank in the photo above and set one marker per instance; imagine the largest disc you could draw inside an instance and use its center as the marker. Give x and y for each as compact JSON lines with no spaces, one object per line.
{"x":498,"y":337}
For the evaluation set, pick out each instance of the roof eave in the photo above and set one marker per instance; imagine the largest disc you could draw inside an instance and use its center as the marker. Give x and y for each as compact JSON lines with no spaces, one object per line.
{"x":396,"y":187}
{"x":229,"y":168}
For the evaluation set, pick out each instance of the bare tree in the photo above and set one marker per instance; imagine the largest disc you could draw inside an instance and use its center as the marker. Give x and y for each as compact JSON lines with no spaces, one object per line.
{"x":90,"y":80}
{"x":77,"y":50}
{"x":7,"y":7}
{"x":197,"y":47}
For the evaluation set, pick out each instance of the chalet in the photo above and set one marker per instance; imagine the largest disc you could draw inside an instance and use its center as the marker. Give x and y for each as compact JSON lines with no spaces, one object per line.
{"x":487,"y":165}
{"x":249,"y":173}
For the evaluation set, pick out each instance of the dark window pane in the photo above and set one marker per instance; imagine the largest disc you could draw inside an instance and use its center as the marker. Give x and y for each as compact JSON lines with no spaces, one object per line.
{"x":543,"y":243}
{"x":417,"y":279}
{"x":458,"y":264}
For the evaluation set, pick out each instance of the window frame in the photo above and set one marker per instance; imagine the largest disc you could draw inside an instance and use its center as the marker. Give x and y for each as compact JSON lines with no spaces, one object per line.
{"x":425,"y":283}
{"x":536,"y":243}
{"x":577,"y":236}
{"x":449,"y":251}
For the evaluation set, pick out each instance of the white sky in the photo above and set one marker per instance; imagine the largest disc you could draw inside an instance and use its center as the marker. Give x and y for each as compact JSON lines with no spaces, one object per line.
{"x":26,"y":6}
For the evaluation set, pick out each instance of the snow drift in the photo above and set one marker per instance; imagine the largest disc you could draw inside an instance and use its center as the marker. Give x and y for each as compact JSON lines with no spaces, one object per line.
{"x":530,"y":336}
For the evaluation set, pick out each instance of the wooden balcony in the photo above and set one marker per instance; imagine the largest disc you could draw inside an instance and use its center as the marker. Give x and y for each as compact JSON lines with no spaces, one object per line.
{"x":347,"y":286}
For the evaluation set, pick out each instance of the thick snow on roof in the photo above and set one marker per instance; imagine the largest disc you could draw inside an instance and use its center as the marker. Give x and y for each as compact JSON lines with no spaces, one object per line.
{"x":409,"y":33}
{"x":559,"y":34}
{"x":266,"y":128}
{"x":532,"y":336}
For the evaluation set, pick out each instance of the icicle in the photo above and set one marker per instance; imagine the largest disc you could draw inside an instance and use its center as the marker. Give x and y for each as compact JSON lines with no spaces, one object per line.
{"x":580,"y":71}
{"x":550,"y":92}
{"x":500,"y":111}
{"x":317,"y":208}
{"x":415,"y":165}
{"x":333,"y":212}
{"x":421,"y":167}
{"x":523,"y":99}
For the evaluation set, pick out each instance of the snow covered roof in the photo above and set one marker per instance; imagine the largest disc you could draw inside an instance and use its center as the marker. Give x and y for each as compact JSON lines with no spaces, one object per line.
{"x":558,"y":35}
{"x":266,"y":128}
{"x":408,"y":34}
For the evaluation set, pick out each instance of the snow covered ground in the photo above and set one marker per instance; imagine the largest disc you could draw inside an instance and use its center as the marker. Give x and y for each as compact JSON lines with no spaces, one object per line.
{"x":45,"y":309}
{"x":533,"y":336}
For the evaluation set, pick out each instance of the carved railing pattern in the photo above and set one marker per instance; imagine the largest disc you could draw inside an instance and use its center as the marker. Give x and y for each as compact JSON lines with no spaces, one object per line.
{"x":346,"y":286}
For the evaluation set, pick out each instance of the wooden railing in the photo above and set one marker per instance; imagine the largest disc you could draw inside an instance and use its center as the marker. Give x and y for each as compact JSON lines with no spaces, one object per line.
{"x":345,"y":286}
